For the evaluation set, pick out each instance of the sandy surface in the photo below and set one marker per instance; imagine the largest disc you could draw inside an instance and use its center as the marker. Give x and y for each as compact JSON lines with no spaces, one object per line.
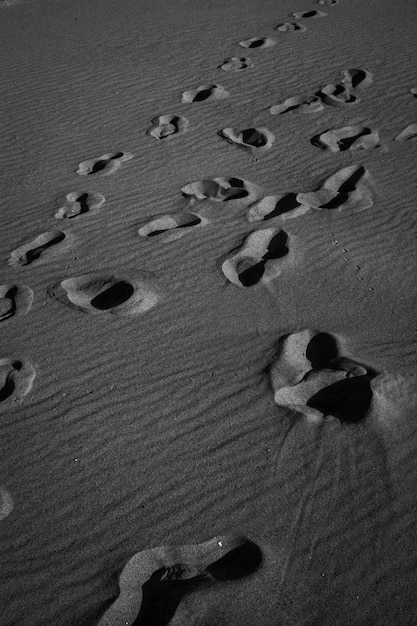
{"x":137,"y":404}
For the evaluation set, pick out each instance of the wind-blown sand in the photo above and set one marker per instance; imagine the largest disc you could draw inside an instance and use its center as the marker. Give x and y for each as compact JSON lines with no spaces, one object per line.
{"x":147,"y":407}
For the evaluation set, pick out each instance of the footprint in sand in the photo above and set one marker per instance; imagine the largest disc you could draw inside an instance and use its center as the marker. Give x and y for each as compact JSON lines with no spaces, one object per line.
{"x":310,"y":376}
{"x":307,"y":14}
{"x":413,"y":90}
{"x":408,"y":133}
{"x":303,"y":104}
{"x":327,"y":3}
{"x":97,"y":292}
{"x":222,"y":189}
{"x":154,"y":581}
{"x":347,"y":138}
{"x":259,"y":258}
{"x":16,"y":378}
{"x":29,"y":252}
{"x":6,"y":503}
{"x":15,"y":300}
{"x":104,"y":165}
{"x":236,"y":64}
{"x":168,"y":126}
{"x":338,"y":96}
{"x":258,"y":42}
{"x":284,"y":206}
{"x":255,"y":140}
{"x":205,"y":93}
{"x":172,"y":225}
{"x":349,"y":188}
{"x":357,"y":79}
{"x":290,"y":27}
{"x":78,"y":203}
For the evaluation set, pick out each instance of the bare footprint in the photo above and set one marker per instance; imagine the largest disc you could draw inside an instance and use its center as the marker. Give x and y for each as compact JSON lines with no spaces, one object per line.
{"x":307,"y":14}
{"x":205,"y":93}
{"x":347,"y":138}
{"x":348,"y":188}
{"x":236,"y":64}
{"x":15,"y":300}
{"x":408,"y":133}
{"x":259,"y":258}
{"x":310,"y":376}
{"x":154,"y":581}
{"x":16,"y":379}
{"x":29,"y":252}
{"x":222,"y":189}
{"x":6,"y":503}
{"x":258,"y":42}
{"x":99,"y":293}
{"x":79,"y":203}
{"x":168,"y":126}
{"x":303,"y":104}
{"x":290,"y":27}
{"x":172,"y":225}
{"x":255,"y":140}
{"x":104,"y":165}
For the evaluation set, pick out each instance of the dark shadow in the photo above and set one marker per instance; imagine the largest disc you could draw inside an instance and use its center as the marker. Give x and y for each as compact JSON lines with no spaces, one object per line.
{"x":252,"y":275}
{"x":277,"y":247}
{"x":254,"y":138}
{"x":9,"y":386}
{"x":257,"y":43}
{"x":113,"y":296}
{"x":284,"y":204}
{"x":162,"y":595}
{"x":203,"y":95}
{"x":235,"y":194}
{"x":309,"y":14}
{"x":350,"y":184}
{"x":357,"y":78}
{"x":193,"y":221}
{"x":83,"y":202}
{"x":335,"y":202}
{"x":349,"y":400}
{"x":345,"y":144}
{"x":100,"y":165}
{"x":32,"y":255}
{"x":321,"y":349}
{"x":11,"y":294}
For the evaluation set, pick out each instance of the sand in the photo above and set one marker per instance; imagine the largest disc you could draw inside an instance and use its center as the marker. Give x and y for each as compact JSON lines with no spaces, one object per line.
{"x":142,"y":416}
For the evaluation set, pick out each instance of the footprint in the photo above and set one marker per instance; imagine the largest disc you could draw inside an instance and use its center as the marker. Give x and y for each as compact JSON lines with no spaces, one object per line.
{"x":98,"y":293}
{"x":258,"y":259}
{"x":177,"y":222}
{"x":29,"y":252}
{"x":284,"y":206}
{"x":222,"y":190}
{"x":327,"y":3}
{"x":16,"y":379}
{"x":236,"y":64}
{"x":79,"y":203}
{"x":104,"y":165}
{"x":337,"y":96}
{"x":290,"y":27}
{"x":311,"y":104}
{"x":348,"y":188}
{"x":307,"y":14}
{"x":347,"y":138}
{"x":408,"y":133}
{"x":6,"y":503}
{"x":256,"y":140}
{"x":167,"y":126}
{"x":310,"y":376}
{"x":413,"y":90}
{"x":205,"y":92}
{"x":258,"y":42}
{"x":15,"y":300}
{"x":154,"y":581}
{"x":356,"y":78}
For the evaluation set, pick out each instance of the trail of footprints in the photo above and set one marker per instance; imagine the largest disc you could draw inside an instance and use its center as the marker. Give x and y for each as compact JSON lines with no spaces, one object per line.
{"x":312,"y":374}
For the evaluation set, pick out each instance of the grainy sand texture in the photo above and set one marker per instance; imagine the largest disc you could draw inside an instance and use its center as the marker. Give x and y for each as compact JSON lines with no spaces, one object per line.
{"x":208,"y":403}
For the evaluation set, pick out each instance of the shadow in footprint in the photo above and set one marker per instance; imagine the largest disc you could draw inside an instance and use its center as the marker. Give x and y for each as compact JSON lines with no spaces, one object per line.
{"x":105,"y":164}
{"x":164,"y":590}
{"x":26,"y":254}
{"x":348,"y":137}
{"x":79,"y":203}
{"x":349,"y":400}
{"x":172,"y":225}
{"x":114,"y":296}
{"x":16,"y":378}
